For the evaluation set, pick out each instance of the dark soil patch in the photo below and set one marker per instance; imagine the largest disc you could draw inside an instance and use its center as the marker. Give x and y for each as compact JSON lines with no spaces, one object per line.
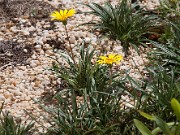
{"x":14,"y":53}
{"x":56,"y":44}
{"x":25,"y":8}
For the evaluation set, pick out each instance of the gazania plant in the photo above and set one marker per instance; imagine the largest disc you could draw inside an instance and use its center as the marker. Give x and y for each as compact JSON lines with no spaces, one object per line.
{"x":122,"y":22}
{"x":99,"y":112}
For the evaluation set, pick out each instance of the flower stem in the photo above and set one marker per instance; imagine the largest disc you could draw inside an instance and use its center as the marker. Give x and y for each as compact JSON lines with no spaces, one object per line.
{"x":110,"y":74}
{"x":72,"y":54}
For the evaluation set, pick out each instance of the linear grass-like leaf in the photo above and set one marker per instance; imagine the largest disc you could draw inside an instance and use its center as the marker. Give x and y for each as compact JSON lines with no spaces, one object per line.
{"x":163,"y":125}
{"x":147,"y":116}
{"x":165,"y":49}
{"x":142,"y":128}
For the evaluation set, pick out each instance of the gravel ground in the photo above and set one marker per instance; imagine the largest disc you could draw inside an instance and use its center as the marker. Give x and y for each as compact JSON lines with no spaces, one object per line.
{"x":20,"y":82}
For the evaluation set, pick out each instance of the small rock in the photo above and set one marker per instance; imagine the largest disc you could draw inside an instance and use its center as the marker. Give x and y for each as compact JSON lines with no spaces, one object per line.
{"x":46,"y":33}
{"x":3,"y":29}
{"x":33,"y":64}
{"x":14,"y":29}
{"x":44,"y":39}
{"x":80,"y":34}
{"x":16,"y":93}
{"x":72,"y":39}
{"x":19,"y":74}
{"x":7,"y":94}
{"x":23,"y":20}
{"x":25,"y":50}
{"x":8,"y":101}
{"x":87,"y":40}
{"x":49,"y":52}
{"x":2,"y":98}
{"x":140,"y":62}
{"x":129,"y":105}
{"x":47,"y":47}
{"x":39,"y":40}
{"x":37,"y":47}
{"x":25,"y":32}
{"x":31,"y":29}
{"x":20,"y":41}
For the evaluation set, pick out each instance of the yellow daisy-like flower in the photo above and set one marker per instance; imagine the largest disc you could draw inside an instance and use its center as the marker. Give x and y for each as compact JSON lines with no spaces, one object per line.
{"x":62,"y":15}
{"x":110,"y":59}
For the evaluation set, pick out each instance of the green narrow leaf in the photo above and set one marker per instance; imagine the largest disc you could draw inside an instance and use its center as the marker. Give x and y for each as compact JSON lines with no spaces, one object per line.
{"x":147,"y":116}
{"x":163,"y":126}
{"x":164,"y":48}
{"x":157,"y":130}
{"x":142,"y":128}
{"x":176,"y":107}
{"x":177,"y":132}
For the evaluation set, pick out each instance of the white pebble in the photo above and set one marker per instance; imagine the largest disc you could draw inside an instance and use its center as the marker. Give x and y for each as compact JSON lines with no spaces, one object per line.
{"x":2,"y":98}
{"x":87,"y":40}
{"x":72,"y":39}
{"x":49,"y":52}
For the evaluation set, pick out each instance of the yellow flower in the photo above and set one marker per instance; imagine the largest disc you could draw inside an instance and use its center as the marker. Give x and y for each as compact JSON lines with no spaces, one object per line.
{"x":110,"y":59}
{"x":62,"y":15}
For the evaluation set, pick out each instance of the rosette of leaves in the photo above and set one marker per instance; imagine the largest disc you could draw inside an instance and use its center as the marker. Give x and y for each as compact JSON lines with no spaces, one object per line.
{"x":122,"y":22}
{"x":81,"y":75}
{"x":99,"y":111}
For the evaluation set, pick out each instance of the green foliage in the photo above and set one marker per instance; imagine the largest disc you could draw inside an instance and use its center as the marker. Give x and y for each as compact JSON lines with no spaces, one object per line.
{"x":8,"y":126}
{"x":81,"y":75}
{"x":122,"y":22}
{"x":90,"y":102}
{"x":169,"y":9}
{"x":168,"y":54}
{"x":99,"y":111}
{"x":97,"y":114}
{"x":172,"y":128}
{"x":158,"y":89}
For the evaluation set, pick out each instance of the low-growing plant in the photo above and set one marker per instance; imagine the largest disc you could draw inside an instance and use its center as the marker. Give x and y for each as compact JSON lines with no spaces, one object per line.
{"x":97,"y":109}
{"x":9,"y":126}
{"x":153,"y":93}
{"x":99,"y":113}
{"x":122,"y":22}
{"x":170,"y":128}
{"x":80,"y":75}
{"x":168,"y":54}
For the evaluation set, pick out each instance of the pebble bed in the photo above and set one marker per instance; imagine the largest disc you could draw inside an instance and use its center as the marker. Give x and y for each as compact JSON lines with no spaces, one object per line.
{"x":19,"y":84}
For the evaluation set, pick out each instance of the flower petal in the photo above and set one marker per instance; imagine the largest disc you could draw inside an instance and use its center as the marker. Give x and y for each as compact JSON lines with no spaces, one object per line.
{"x":55,"y":15}
{"x":102,"y":57}
{"x":119,"y":57}
{"x":100,"y":62}
{"x":110,"y":59}
{"x":111,"y":56}
{"x":71,"y":12}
